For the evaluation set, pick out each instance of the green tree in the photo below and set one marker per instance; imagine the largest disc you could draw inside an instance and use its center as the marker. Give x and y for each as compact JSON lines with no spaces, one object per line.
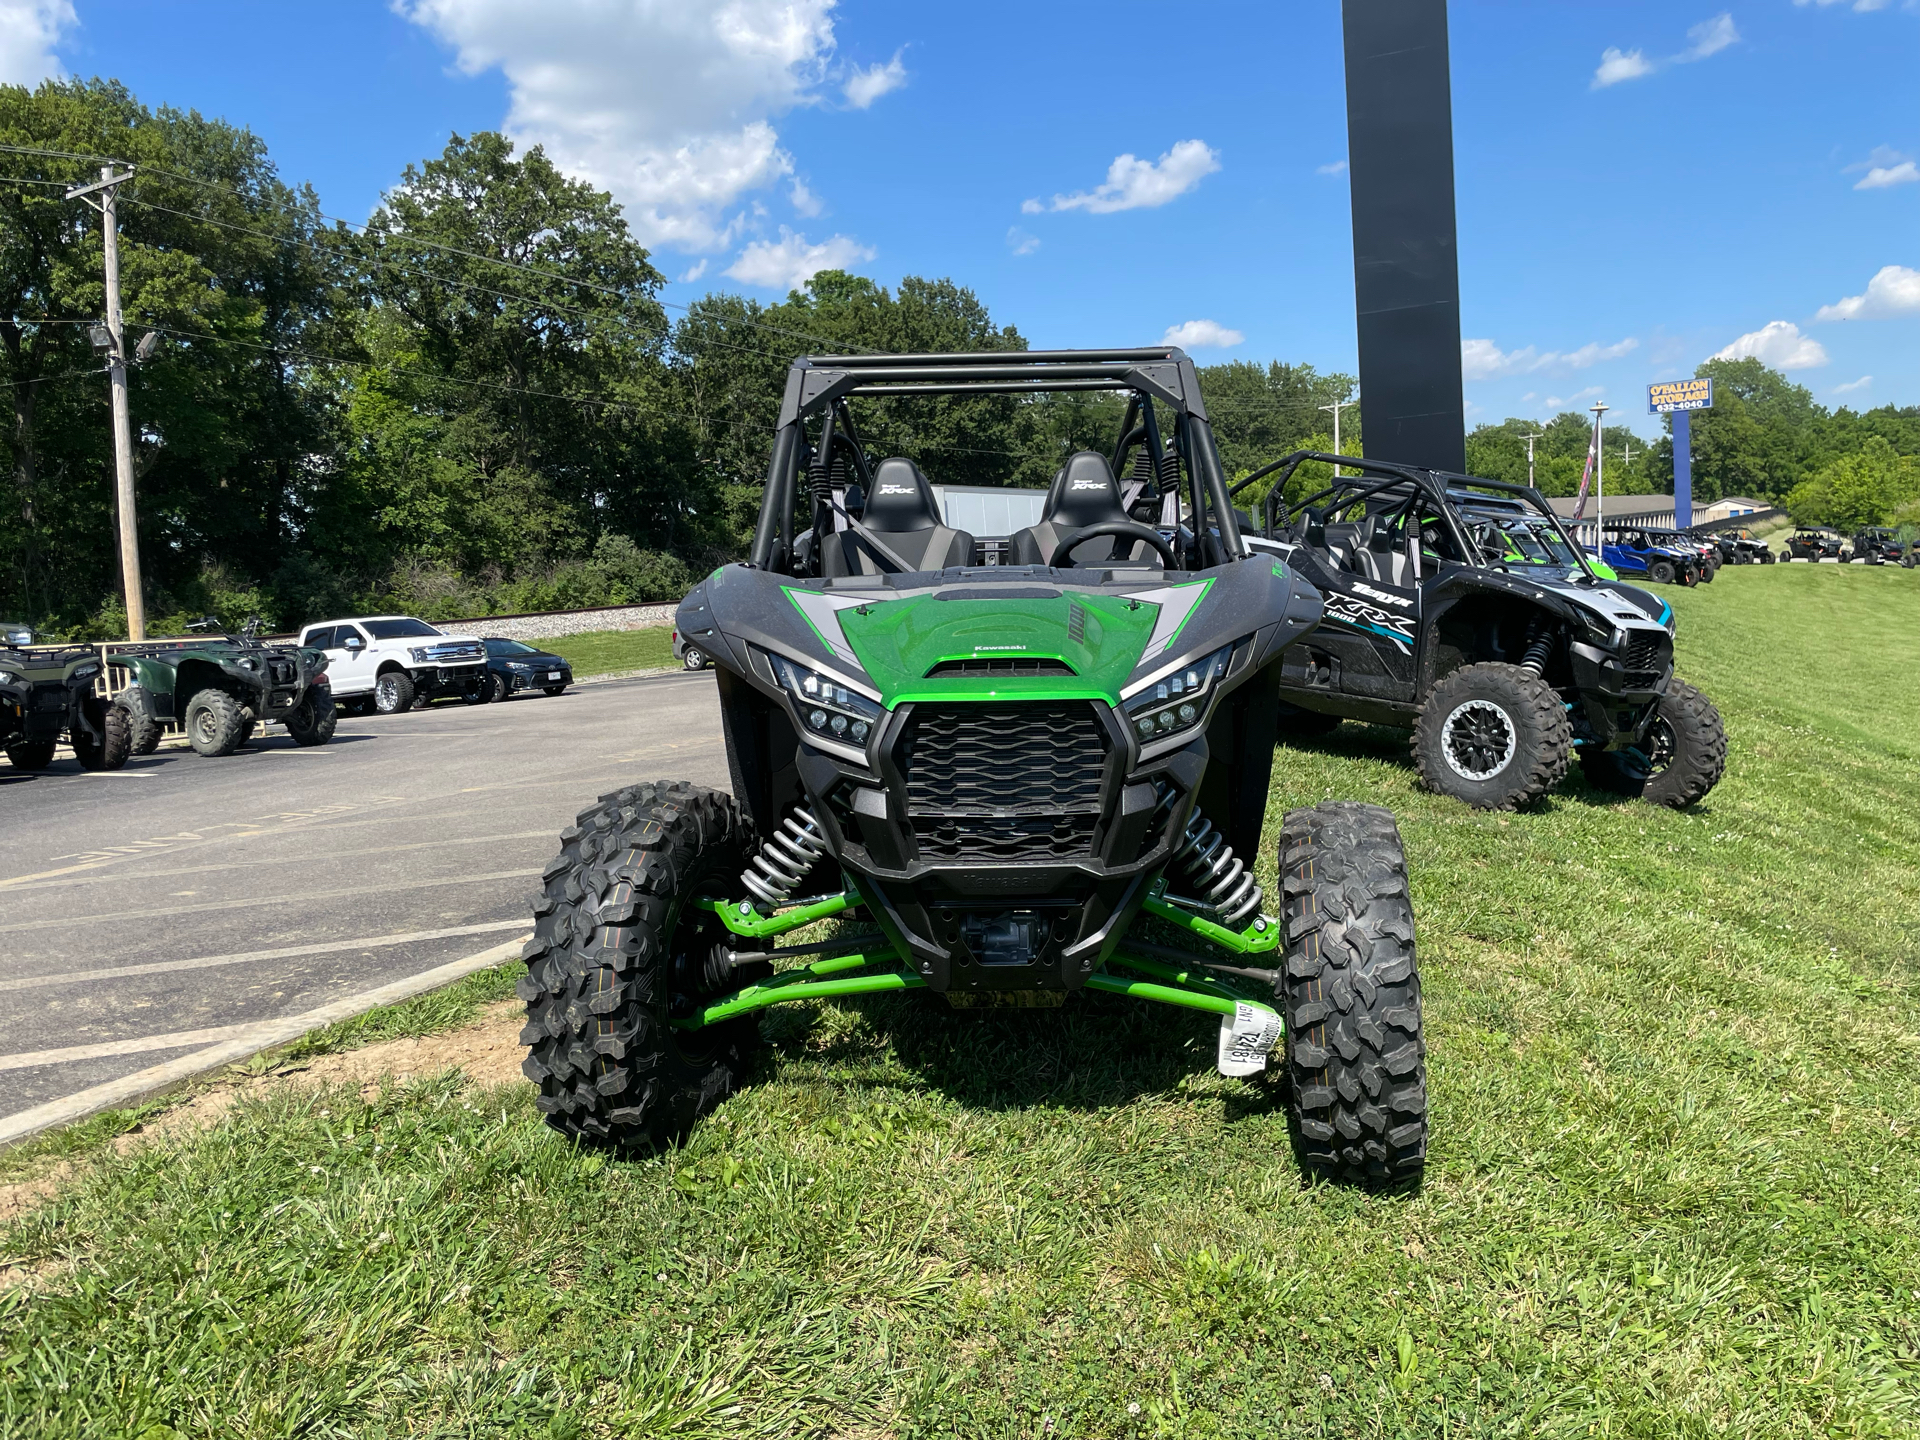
{"x":1871,"y":486}
{"x":1762,"y":437}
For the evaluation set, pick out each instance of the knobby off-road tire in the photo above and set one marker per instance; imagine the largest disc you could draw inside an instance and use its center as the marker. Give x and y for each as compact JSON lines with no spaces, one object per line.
{"x":314,"y":719}
{"x":1661,"y":572}
{"x":143,"y":732}
{"x":1493,"y":735}
{"x":216,"y":725}
{"x":110,"y":752}
{"x":1305,"y":723}
{"x":617,"y":946}
{"x":393,"y":693}
{"x":30,"y":754}
{"x":1350,"y":991}
{"x":1684,"y":755}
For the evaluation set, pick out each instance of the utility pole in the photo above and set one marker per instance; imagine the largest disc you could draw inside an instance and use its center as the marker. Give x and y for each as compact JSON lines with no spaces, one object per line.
{"x":108,"y":187}
{"x":1336,"y":408}
{"x":1530,"y":439}
{"x":1599,"y":409}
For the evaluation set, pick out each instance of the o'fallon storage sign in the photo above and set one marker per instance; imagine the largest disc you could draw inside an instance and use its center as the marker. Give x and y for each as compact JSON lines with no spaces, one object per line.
{"x":1671,"y":395}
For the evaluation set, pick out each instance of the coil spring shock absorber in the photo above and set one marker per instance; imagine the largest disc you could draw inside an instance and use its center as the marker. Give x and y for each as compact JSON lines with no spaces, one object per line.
{"x":785,"y":857}
{"x":1539,"y":648}
{"x":1224,"y":882}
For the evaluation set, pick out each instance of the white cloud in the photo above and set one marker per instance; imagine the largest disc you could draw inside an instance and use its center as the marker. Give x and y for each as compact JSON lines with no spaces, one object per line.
{"x":1778,"y":343}
{"x":863,"y":87}
{"x":1202,"y":335}
{"x":1861,"y":6}
{"x":29,"y":29}
{"x":1483,"y":360}
{"x":1895,"y":290}
{"x":1710,"y":37}
{"x":805,"y":202}
{"x":1880,"y":177}
{"x":789,"y":262}
{"x":685,"y":145}
{"x":1338,"y":167}
{"x":1853,"y":385}
{"x":695,"y":272}
{"x":1020,"y":242}
{"x":1136,"y":184}
{"x":1617,"y":65}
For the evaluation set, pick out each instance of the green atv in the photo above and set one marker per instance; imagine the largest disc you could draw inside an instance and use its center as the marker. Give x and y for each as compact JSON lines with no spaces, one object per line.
{"x":47,"y":696}
{"x":1021,"y":780}
{"x":221,"y":687}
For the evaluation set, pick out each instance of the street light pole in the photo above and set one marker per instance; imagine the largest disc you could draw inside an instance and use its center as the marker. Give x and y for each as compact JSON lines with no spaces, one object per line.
{"x":1336,"y":408}
{"x":1599,"y":409}
{"x":108,"y":186}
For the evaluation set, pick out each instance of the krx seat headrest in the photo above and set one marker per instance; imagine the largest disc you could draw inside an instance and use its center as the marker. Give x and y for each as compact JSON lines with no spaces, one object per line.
{"x":1083,"y":493}
{"x":902,"y":500}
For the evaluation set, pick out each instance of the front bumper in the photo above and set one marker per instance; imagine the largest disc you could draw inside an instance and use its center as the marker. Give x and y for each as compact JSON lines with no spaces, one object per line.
{"x":539,"y":678}
{"x":1614,"y":705}
{"x":447,"y":677}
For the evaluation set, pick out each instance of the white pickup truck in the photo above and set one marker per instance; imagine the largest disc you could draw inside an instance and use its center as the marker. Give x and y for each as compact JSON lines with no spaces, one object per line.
{"x":391,"y":660}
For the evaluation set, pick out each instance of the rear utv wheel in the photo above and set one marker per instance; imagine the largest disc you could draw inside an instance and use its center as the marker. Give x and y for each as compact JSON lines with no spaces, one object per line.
{"x":617,"y":951}
{"x":216,"y":725}
{"x":1684,"y":755}
{"x":1493,"y":735}
{"x":1350,"y":991}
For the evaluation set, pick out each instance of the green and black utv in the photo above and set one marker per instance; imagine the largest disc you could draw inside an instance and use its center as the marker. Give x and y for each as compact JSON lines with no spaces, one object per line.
{"x":220,"y":687}
{"x":47,"y":696}
{"x":1019,"y":780}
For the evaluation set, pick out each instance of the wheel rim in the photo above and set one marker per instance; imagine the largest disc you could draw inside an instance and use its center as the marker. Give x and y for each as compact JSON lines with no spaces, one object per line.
{"x":386,"y":694}
{"x":203,"y":729}
{"x":1478,"y":740}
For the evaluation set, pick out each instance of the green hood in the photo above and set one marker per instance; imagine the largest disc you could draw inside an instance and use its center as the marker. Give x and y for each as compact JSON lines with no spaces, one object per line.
{"x":1100,"y":637}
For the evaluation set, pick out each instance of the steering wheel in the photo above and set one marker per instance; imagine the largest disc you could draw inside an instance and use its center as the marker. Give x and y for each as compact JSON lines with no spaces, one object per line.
{"x":1061,"y":558}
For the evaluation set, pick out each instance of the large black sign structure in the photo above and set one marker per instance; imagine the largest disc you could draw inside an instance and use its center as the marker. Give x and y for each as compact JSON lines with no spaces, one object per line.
{"x":1406,"y":272}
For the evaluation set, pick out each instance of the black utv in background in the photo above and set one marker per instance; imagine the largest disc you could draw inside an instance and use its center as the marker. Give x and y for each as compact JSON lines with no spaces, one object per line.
{"x":1877,"y":545}
{"x":1812,"y":545}
{"x":1460,"y":608}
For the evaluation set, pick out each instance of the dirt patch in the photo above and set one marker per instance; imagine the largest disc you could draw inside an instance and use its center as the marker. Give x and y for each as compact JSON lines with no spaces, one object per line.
{"x":488,"y":1050}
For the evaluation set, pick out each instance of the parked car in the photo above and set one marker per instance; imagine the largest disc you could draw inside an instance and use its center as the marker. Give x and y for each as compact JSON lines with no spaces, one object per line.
{"x":395,"y":661}
{"x":1877,"y":545}
{"x":514,"y":665}
{"x":1815,"y":545}
{"x":690,"y":655}
{"x":15,"y":632}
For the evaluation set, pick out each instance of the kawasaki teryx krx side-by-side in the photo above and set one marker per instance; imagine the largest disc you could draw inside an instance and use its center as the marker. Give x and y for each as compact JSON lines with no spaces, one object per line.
{"x":50,"y":695}
{"x":1461,"y":608}
{"x":1634,"y":552}
{"x":1024,"y":780}
{"x":220,"y":687}
{"x":1879,"y":545}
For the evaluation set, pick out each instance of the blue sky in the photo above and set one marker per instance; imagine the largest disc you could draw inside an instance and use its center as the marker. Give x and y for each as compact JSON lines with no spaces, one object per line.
{"x":1640,"y":185}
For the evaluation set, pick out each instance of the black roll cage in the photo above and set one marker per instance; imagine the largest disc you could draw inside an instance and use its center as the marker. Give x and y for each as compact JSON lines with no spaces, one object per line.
{"x":1435,"y":484}
{"x":820,"y":385}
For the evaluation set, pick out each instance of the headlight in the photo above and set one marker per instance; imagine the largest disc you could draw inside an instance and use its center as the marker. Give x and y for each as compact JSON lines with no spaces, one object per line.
{"x":418,"y":655}
{"x":827,"y":707}
{"x":1602,"y":632}
{"x":1176,"y":701}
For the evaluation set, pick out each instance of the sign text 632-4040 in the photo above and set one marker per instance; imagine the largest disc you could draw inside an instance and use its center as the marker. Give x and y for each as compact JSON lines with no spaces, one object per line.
{"x":1671,"y":395}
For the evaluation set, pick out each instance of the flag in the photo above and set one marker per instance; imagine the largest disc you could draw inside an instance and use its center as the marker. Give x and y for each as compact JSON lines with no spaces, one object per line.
{"x":1586,"y":475}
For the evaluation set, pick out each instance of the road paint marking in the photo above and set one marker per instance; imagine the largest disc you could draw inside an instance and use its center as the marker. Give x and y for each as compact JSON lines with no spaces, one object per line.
{"x":206,"y":906}
{"x":110,"y":1049}
{"x":115,"y":775}
{"x":261,"y":1036}
{"x":285,"y":952}
{"x":278,"y":860}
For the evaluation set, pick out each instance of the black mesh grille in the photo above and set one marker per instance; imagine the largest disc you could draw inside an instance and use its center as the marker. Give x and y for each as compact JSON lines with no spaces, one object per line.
{"x":1003,"y":782}
{"x":1646,"y":657}
{"x":1017,"y":667}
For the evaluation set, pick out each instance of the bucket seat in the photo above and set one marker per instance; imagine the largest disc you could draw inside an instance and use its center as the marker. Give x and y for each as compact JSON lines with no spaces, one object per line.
{"x":1083,"y":493}
{"x":904,"y":513}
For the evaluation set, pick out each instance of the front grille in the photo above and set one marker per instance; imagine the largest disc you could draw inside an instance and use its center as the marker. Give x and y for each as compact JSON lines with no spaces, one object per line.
{"x":49,"y":698}
{"x":988,"y":782}
{"x":1014,"y":667}
{"x":454,"y":651}
{"x":1644,"y":660}
{"x":280,"y":672}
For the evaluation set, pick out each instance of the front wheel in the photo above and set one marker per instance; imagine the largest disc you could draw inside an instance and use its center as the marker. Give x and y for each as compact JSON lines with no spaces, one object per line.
{"x":1681,"y":758}
{"x":1493,"y":735}
{"x":314,"y":719}
{"x":30,"y":754}
{"x":393,"y":693}
{"x":1350,"y":991}
{"x":620,"y":951}
{"x":216,"y":725}
{"x":497,"y":688}
{"x":110,"y":751}
{"x":1661,"y":571}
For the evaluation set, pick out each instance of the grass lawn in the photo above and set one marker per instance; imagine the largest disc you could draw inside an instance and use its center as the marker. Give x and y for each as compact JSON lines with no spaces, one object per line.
{"x":601,"y":652}
{"x":1674,"y":1187}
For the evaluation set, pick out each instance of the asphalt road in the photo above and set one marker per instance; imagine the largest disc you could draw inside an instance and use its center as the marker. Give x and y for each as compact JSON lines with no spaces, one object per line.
{"x":141,"y":910}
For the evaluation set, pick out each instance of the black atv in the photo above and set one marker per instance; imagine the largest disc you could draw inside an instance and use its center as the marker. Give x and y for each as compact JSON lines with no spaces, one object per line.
{"x":1814,"y":545}
{"x":1877,"y":545}
{"x":51,"y":695}
{"x":220,"y":687}
{"x":1025,"y":779}
{"x":1461,"y":608}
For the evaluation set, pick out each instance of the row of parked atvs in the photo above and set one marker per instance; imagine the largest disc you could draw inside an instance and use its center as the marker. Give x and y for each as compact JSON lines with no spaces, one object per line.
{"x":1679,"y":557}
